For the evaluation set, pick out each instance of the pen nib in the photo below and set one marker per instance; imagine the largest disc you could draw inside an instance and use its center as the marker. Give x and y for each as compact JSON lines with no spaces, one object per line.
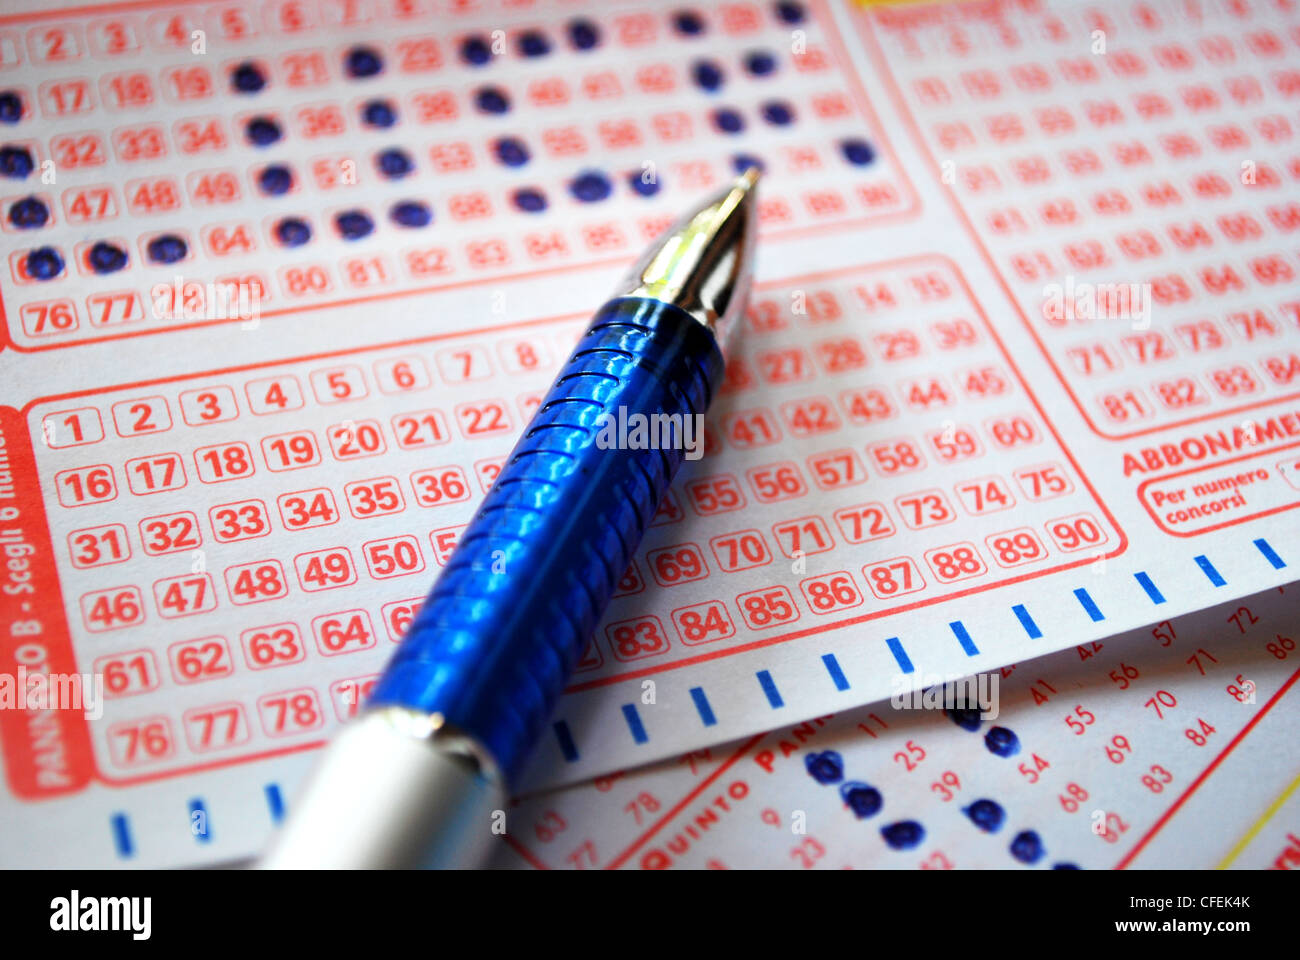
{"x":702,"y":263}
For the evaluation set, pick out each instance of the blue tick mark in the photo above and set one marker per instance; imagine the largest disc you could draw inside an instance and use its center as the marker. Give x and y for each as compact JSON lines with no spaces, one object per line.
{"x":639,"y":184}
{"x":963,"y":637}
{"x":262,"y":131}
{"x":379,"y":114}
{"x":121,"y":828}
{"x":1089,"y":606}
{"x":863,"y":799}
{"x":760,"y":63}
{"x":769,"y":689}
{"x":590,"y":187}
{"x":1065,"y":865}
{"x":43,"y":263}
{"x":634,"y":723}
{"x":1026,"y":621}
{"x":903,"y":835}
{"x":825,"y":767}
{"x":1027,"y":847}
{"x":567,"y":747}
{"x":15,"y":162}
{"x":778,"y":113}
{"x":199,"y":821}
{"x":968,"y":718}
{"x":475,"y":51}
{"x":491,"y":100}
{"x":533,"y":43}
{"x":394,"y":163}
{"x":583,"y":34}
{"x":857,"y":152}
{"x":11,"y":107}
{"x":511,"y":151}
{"x":166,"y":248}
{"x":275,"y":180}
{"x":411,"y":213}
{"x":707,"y":75}
{"x":833,"y":668}
{"x":1151,"y":589}
{"x":702,"y":706}
{"x":354,"y":224}
{"x":727,"y":120}
{"x":362,"y":62}
{"x":1207,"y":568}
{"x":789,"y":11}
{"x":988,"y":815}
{"x":900,"y":655}
{"x":274,"y":801}
{"x":29,"y":213}
{"x":292,"y":232}
{"x":247,"y":78}
{"x":1269,"y":554}
{"x":529,"y":200}
{"x":104,"y":257}
{"x":688,"y":23}
{"x":1002,"y":742}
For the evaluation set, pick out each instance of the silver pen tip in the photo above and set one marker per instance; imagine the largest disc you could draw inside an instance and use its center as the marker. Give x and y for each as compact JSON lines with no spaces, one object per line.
{"x":703,"y":262}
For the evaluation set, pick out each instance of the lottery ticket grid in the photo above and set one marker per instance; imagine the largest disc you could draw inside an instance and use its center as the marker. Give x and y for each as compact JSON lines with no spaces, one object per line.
{"x":1110,"y":755}
{"x":1152,"y":142}
{"x":380,"y":148}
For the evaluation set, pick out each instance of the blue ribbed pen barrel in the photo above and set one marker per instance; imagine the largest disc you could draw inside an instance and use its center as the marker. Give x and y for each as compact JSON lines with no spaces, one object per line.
{"x":508,"y":618}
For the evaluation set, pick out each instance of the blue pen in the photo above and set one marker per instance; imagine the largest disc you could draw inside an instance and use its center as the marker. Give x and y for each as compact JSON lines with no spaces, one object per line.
{"x":422,"y":776}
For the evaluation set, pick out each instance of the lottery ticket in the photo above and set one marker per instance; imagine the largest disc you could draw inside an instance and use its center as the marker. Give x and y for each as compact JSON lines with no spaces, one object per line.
{"x":285,"y":278}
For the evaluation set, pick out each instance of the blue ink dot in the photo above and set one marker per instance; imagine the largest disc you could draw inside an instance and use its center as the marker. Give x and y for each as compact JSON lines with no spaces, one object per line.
{"x":789,"y":12}
{"x":529,"y":200}
{"x":533,"y":43}
{"x":511,"y":151}
{"x":247,"y":78}
{"x":29,"y":213}
{"x":688,"y":23}
{"x":864,"y":800}
{"x":590,"y":187}
{"x":741,"y":162}
{"x":262,"y":131}
{"x":292,"y":232}
{"x":988,"y":815}
{"x":275,"y":180}
{"x":167,"y":248}
{"x":363,"y":62}
{"x":707,"y":75}
{"x":394,"y":163}
{"x":354,"y":224}
{"x":646,"y":188}
{"x":15,"y":162}
{"x":778,"y":113}
{"x":11,"y":107}
{"x":379,"y":113}
{"x":1027,"y":847}
{"x":728,"y":120}
{"x":968,"y":718}
{"x":475,"y":51}
{"x":825,"y":767}
{"x":760,"y":63}
{"x":411,"y":213}
{"x":583,"y":34}
{"x":491,"y":100}
{"x":857,"y":152}
{"x":1002,"y":742}
{"x":104,"y":257}
{"x":903,"y":835}
{"x":1065,"y":865}
{"x":44,"y":263}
